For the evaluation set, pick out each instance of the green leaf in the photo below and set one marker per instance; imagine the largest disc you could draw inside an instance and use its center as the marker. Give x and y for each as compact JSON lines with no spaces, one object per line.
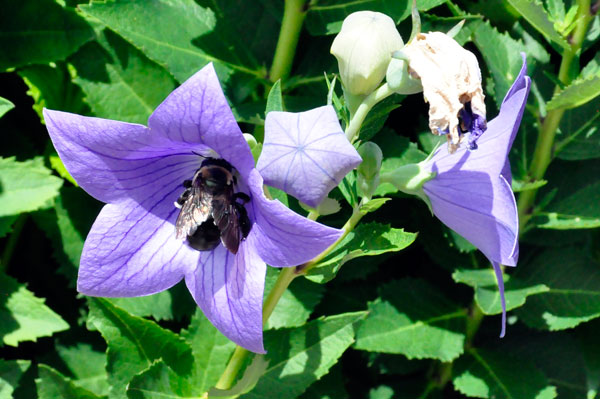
{"x":578,"y":211}
{"x":548,"y":351}
{"x":159,"y":382}
{"x":412,"y":318}
{"x":348,"y":188}
{"x":580,"y":128}
{"x":25,"y":186}
{"x":119,"y":81}
{"x":519,"y":186}
{"x":326,"y":17}
{"x":298,"y":357}
{"x":211,"y":351}
{"x":502,"y":56}
{"x":534,"y":13}
{"x":373,"y":205}
{"x":10,"y":374}
{"x":486,"y":374}
{"x":5,"y":106}
{"x":487,"y":296}
{"x":66,"y":225}
{"x":6,"y":224}
{"x":39,"y":31}
{"x":87,"y":366}
{"x":247,"y":31}
{"x":579,"y":92}
{"x":331,"y":386}
{"x":274,"y":101}
{"x":158,"y":305}
{"x":590,"y":350}
{"x":51,"y":87}
{"x":134,"y":344}
{"x":367,"y":239}
{"x":150,"y":26}
{"x":573,"y":279}
{"x":377,"y":116}
{"x":23,"y":316}
{"x":51,"y":385}
{"x":296,"y":303}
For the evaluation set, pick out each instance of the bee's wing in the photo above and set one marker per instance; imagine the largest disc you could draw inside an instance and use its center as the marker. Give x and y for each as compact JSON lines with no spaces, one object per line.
{"x":227,"y":219}
{"x":195,"y":210}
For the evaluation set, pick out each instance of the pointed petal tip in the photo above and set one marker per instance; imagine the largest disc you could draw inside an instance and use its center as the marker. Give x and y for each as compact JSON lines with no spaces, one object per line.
{"x":500,"y":281}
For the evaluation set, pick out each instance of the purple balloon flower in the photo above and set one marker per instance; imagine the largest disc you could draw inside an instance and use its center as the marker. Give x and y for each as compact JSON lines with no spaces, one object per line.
{"x":138,"y":171}
{"x":471,"y":190}
{"x":306,"y":154}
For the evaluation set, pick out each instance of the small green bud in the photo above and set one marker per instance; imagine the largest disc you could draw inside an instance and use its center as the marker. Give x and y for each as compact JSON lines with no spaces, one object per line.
{"x":364,"y":49}
{"x":368,"y":170}
{"x":399,"y":78}
{"x":410,"y":179}
{"x":250,"y":140}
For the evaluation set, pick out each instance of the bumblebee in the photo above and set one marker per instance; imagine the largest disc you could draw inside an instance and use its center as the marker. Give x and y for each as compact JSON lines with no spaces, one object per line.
{"x":211,"y":212}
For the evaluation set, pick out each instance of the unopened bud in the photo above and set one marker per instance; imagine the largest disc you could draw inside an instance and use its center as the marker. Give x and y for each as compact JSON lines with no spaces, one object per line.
{"x":363,"y":49}
{"x":399,"y":78}
{"x":368,"y":170}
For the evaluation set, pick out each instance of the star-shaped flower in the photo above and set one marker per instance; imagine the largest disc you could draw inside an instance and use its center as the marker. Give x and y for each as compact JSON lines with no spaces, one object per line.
{"x":306,"y":154}
{"x":471,"y":190}
{"x":139,"y":172}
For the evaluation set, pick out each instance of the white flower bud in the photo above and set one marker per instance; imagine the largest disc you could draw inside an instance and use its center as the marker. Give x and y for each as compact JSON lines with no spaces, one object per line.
{"x":364,"y":49}
{"x":451,"y":78}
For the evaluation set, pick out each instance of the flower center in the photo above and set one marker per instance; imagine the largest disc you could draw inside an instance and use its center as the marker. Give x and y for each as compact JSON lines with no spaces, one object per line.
{"x":211,"y":212}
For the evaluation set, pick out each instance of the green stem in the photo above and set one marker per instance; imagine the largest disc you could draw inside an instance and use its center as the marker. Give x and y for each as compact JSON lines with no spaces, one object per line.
{"x":9,"y":248}
{"x":294,"y":13}
{"x":233,"y":368}
{"x":347,"y":228}
{"x":240,"y":354}
{"x":543,"y":152}
{"x":363,"y":109}
{"x":474,"y":320}
{"x":286,"y":276}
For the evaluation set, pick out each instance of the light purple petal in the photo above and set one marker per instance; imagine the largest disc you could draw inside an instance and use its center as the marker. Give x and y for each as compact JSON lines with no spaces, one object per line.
{"x":479,"y":207}
{"x":229,"y":290}
{"x":282,"y":237}
{"x":500,"y":281}
{"x":197,"y":112}
{"x":306,"y":154}
{"x":495,"y":143}
{"x":131,"y":249}
{"x":114,"y":160}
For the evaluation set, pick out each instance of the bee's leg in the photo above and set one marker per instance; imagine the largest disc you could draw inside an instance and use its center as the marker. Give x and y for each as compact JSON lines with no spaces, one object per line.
{"x":182,"y":198}
{"x":187,"y":183}
{"x":242,"y":196}
{"x":244,"y":220}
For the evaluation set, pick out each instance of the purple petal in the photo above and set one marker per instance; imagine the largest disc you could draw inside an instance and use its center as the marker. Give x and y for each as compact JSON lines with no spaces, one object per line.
{"x":229,"y":290}
{"x":282,"y":237}
{"x":197,"y":112}
{"x":114,"y":160}
{"x":131,"y":249}
{"x":306,"y":154}
{"x":500,"y":280}
{"x":479,"y":207}
{"x":494,"y":145}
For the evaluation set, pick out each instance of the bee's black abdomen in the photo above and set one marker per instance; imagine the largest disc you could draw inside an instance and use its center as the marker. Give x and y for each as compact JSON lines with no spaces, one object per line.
{"x":206,"y":237}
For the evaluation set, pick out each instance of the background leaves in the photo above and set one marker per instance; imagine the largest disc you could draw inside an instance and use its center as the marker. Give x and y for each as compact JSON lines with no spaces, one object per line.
{"x":399,"y":309}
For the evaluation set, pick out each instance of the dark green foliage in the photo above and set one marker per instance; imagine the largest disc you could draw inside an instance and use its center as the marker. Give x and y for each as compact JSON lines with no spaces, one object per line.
{"x":401,"y":307}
